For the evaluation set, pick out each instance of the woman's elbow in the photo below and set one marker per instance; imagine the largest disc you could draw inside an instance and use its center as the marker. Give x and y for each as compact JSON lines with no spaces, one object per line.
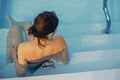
{"x":66,"y":61}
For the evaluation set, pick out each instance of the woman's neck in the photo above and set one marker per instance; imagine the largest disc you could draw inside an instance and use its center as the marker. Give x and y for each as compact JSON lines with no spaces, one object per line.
{"x":42,"y":40}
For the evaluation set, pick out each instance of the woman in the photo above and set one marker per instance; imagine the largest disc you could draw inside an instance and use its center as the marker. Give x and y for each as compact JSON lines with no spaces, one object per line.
{"x":43,"y":47}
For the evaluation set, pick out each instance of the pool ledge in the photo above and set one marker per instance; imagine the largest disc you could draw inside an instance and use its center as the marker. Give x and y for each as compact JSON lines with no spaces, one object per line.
{"x":110,"y":74}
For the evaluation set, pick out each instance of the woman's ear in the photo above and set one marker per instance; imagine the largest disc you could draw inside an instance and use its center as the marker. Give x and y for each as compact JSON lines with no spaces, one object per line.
{"x":54,"y":32}
{"x":50,"y":35}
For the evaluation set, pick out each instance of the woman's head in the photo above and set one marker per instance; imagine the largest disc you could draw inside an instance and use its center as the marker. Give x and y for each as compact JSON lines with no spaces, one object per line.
{"x":44,"y":24}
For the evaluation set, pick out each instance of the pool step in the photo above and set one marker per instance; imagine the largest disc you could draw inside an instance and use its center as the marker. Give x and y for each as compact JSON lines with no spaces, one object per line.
{"x":85,"y":61}
{"x":79,"y":62}
{"x":93,"y":42}
{"x":86,"y":29}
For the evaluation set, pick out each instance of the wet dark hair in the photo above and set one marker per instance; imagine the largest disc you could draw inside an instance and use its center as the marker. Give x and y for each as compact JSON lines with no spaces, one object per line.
{"x":45,"y":23}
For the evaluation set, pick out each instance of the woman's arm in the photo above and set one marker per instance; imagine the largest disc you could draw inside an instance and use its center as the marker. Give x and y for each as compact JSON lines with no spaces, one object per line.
{"x":63,"y":56}
{"x":20,"y":68}
{"x":21,"y":64}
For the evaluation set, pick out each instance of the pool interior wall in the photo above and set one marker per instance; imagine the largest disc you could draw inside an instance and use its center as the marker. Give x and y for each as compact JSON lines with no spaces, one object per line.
{"x":69,"y":12}
{"x":81,"y":23}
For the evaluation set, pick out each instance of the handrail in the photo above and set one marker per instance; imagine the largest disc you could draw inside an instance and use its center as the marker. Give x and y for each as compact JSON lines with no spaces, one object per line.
{"x":107,"y":16}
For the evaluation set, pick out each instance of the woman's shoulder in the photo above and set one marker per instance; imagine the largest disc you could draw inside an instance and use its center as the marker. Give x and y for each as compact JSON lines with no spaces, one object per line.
{"x":60,"y":40}
{"x":59,"y":37}
{"x":23,"y":45}
{"x":24,"y":48}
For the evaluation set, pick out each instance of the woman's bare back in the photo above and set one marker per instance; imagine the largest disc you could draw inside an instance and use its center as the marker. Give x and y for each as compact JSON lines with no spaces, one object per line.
{"x":32,"y":52}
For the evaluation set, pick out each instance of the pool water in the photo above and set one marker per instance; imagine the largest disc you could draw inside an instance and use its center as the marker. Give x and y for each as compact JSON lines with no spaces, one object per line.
{"x":81,"y":23}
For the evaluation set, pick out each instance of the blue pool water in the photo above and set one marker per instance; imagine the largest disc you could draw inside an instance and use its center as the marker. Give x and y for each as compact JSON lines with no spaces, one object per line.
{"x":81,"y":23}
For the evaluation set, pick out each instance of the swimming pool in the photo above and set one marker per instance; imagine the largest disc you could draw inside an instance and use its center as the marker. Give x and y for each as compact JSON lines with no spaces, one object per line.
{"x":89,"y":50}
